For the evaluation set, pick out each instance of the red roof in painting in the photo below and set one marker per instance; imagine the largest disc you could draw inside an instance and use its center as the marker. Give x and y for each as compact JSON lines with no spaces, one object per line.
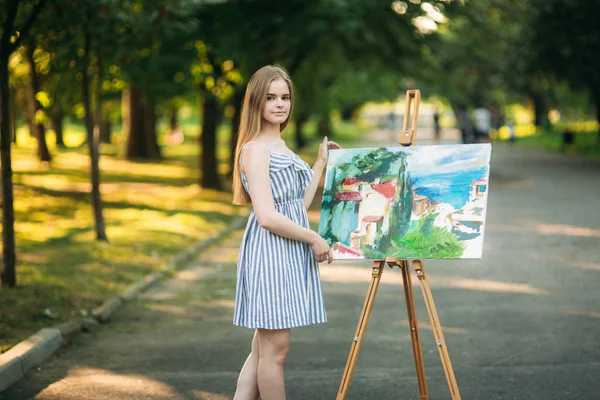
{"x":350,"y":181}
{"x":345,"y":196}
{"x":386,"y":188}
{"x":342,"y":248}
{"x":481,"y":181}
{"x":372,"y":218}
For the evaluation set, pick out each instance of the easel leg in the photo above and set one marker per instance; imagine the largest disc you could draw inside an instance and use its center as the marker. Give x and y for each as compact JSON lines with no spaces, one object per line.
{"x":437,"y":329}
{"x":414,"y":330}
{"x":361,"y":328}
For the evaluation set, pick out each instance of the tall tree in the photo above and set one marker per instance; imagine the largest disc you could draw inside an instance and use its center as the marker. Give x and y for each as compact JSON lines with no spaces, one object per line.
{"x":215,"y":79}
{"x":9,"y":42}
{"x":481,"y":56}
{"x":566,"y":39}
{"x":93,"y":129}
{"x":155,"y":50}
{"x":32,"y":92}
{"x":79,"y":31}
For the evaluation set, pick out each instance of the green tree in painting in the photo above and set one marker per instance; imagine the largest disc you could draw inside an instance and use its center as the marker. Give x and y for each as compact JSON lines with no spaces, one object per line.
{"x":381,"y":164}
{"x":400,"y":211}
{"x":426,"y":238}
{"x":378,"y":163}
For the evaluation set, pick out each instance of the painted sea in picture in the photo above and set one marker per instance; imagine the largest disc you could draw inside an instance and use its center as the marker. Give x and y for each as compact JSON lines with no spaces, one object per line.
{"x":406,"y":202}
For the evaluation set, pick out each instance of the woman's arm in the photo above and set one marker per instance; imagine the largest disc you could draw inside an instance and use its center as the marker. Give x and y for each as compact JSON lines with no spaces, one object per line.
{"x":324,"y":147}
{"x":309,"y":195}
{"x":256,"y":166}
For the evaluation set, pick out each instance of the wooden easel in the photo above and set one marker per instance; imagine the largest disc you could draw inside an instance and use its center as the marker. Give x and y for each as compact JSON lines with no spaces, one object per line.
{"x":407,"y":138}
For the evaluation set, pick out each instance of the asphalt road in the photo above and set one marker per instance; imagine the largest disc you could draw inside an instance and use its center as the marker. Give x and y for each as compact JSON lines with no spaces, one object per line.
{"x":523,"y":323}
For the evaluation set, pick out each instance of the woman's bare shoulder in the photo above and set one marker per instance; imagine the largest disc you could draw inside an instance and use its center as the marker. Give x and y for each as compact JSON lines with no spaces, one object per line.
{"x":254,"y":153}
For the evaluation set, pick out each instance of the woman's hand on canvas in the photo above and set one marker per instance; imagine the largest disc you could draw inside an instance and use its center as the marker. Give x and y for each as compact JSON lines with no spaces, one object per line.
{"x":324,"y":147}
{"x":321,"y":249}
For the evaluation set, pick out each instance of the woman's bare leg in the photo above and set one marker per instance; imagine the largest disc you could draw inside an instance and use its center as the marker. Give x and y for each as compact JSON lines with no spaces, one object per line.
{"x":274,"y":346}
{"x":247,"y":384}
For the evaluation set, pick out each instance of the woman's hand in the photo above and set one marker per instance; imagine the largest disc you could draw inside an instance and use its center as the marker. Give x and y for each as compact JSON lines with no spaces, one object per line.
{"x":321,"y":249}
{"x":324,"y":147}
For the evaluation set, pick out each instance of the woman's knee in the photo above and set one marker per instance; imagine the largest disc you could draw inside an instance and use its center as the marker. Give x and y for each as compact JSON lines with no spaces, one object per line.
{"x":274,"y":345}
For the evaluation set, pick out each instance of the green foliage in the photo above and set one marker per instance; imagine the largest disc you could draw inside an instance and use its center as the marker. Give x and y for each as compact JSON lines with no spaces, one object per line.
{"x":566,"y":37}
{"x":481,"y":54}
{"x":426,"y":238}
{"x":586,"y":143}
{"x":379,"y":163}
{"x":328,"y":47}
{"x":153,"y":210}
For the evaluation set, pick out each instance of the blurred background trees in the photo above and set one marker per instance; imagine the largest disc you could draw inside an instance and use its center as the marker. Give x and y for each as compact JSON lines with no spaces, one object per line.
{"x":124,"y":73}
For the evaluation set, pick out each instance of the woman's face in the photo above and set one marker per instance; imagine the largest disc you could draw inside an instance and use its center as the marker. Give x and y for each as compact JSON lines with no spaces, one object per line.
{"x":277,"y":106}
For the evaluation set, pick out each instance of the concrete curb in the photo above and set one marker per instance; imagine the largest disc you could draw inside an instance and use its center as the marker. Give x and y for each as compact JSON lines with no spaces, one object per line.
{"x":31,"y":352}
{"x":27,"y":354}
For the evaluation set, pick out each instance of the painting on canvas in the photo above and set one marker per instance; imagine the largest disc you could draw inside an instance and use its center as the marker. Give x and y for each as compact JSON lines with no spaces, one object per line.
{"x":406,"y":202}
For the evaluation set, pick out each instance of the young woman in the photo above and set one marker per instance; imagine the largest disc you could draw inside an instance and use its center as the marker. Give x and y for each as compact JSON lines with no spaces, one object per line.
{"x":278,"y":284}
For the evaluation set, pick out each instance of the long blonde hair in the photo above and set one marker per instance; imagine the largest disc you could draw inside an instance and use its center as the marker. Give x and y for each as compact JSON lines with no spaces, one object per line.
{"x":251,"y":118}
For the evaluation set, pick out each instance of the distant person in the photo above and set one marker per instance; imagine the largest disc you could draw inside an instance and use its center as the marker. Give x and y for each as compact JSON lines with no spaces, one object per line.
{"x":482,"y":122}
{"x":174,"y":136}
{"x":392,"y":121}
{"x":436,"y":124}
{"x":497,"y":118}
{"x":464,"y":124}
{"x":512,"y":133}
{"x":278,"y":285}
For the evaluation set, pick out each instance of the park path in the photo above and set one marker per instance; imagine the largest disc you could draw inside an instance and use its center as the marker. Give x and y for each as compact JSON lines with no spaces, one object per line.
{"x":523,"y":323}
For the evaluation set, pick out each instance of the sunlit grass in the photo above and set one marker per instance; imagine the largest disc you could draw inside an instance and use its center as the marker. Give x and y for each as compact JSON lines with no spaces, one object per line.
{"x":152,"y":210}
{"x":586,"y":143}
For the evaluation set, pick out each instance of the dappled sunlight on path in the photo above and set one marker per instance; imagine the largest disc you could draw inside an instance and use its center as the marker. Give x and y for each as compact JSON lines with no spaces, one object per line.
{"x":339,"y":273}
{"x":111,"y":385}
{"x":524,"y":226}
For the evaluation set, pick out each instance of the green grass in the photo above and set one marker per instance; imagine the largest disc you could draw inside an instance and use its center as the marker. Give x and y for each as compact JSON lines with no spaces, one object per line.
{"x":425,"y":238}
{"x":152,"y":210}
{"x":586,"y":143}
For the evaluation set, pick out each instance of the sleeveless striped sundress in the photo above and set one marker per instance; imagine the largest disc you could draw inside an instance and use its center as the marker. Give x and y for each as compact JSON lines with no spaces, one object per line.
{"x":278,"y":284}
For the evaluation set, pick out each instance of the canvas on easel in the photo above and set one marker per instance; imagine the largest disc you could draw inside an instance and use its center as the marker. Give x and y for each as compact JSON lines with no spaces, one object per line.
{"x":408,"y":202}
{"x":392,"y":204}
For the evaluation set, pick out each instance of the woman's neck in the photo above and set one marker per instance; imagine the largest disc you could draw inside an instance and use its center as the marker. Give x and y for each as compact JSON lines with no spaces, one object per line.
{"x":269,"y":132}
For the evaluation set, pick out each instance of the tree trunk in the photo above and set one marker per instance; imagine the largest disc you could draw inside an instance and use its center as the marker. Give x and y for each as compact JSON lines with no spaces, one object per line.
{"x":13,"y":115}
{"x":347,"y":112}
{"x":208,"y":152}
{"x":125,"y":112}
{"x":238,"y":98}
{"x":464,"y":124}
{"x":30,"y":112}
{"x":325,"y":126}
{"x":152,"y":149}
{"x":135,"y":141}
{"x":301,"y":119}
{"x":173,"y":124}
{"x":141,"y":133}
{"x":540,"y":109}
{"x":93,"y":137}
{"x":57,"y":117}
{"x":8,"y":274}
{"x":40,"y":132}
{"x":105,"y":131}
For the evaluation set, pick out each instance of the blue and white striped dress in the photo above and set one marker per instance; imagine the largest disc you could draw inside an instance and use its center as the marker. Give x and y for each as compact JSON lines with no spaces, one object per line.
{"x":278,"y":284}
